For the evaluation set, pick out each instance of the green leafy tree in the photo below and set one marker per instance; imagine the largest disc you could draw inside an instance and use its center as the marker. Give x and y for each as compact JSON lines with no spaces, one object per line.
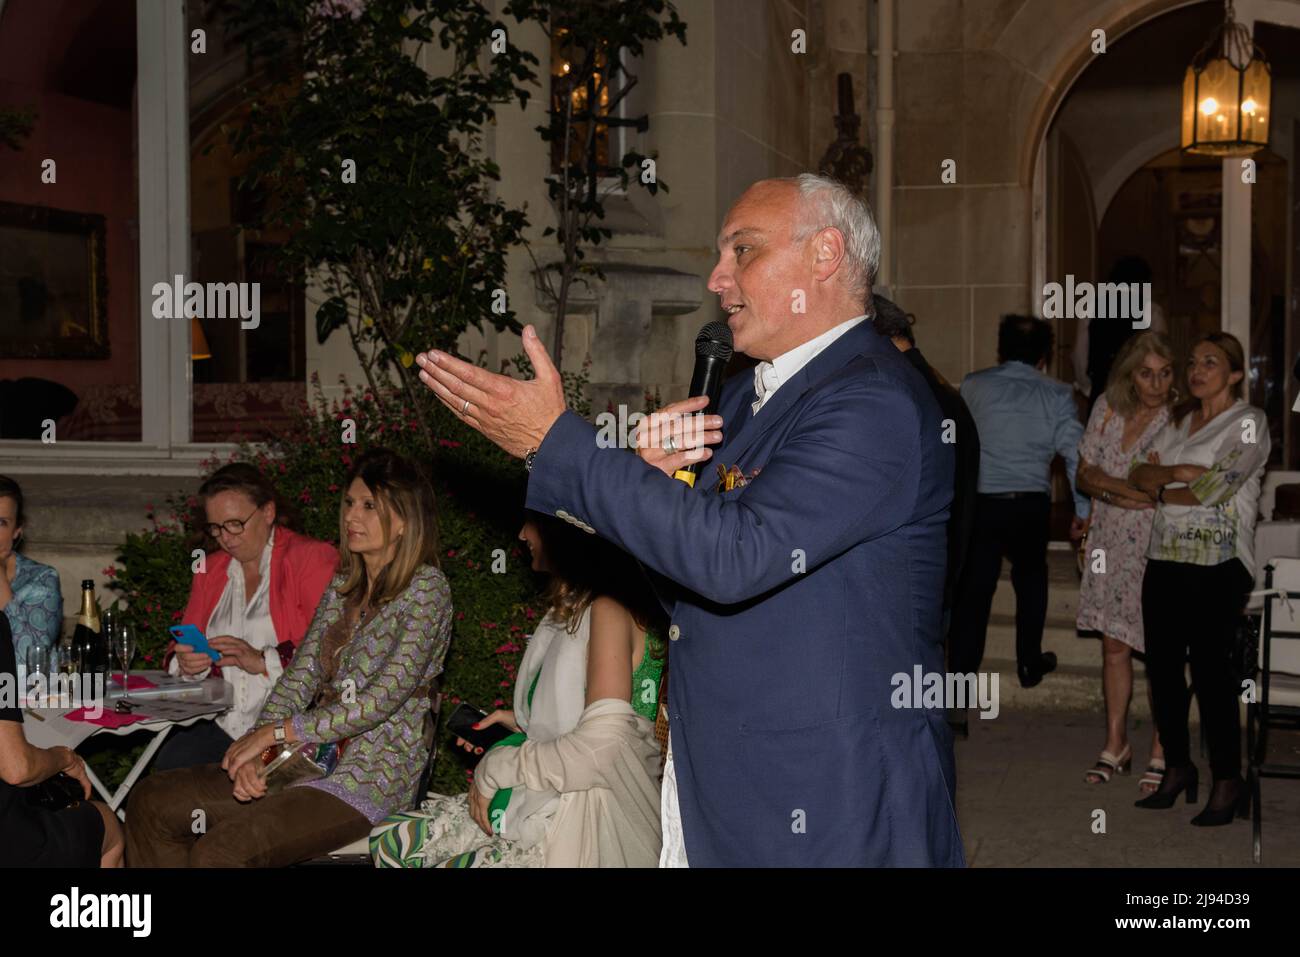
{"x":376,"y":168}
{"x":598,"y":39}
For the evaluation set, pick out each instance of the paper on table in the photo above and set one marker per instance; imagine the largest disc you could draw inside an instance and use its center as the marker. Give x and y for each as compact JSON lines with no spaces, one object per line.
{"x":180,"y":710}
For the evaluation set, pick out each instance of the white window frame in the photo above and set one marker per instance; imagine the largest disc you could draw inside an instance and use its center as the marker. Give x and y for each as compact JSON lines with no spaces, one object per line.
{"x":163,"y":151}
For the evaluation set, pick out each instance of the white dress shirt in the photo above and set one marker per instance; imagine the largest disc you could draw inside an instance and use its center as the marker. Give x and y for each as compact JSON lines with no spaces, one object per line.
{"x":249,"y":619}
{"x":768,"y":377}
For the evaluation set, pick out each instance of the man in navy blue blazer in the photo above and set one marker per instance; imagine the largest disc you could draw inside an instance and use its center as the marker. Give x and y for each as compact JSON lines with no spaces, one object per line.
{"x":805,"y":590}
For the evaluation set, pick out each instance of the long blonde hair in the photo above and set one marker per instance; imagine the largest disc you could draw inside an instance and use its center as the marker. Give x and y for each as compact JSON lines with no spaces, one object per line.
{"x":1121,"y":394}
{"x":398,"y":487}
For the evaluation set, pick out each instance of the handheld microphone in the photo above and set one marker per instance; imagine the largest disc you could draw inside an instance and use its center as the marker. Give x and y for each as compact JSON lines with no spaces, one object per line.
{"x":713,"y":351}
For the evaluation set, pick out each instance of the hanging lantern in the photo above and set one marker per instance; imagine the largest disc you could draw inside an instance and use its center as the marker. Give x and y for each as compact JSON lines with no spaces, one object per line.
{"x":1227,"y":94}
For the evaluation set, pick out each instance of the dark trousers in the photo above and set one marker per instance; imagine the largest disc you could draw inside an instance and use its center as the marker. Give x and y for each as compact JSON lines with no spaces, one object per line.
{"x":203,"y":742}
{"x":295,"y":825}
{"x":1190,"y":614}
{"x":1016,"y":528}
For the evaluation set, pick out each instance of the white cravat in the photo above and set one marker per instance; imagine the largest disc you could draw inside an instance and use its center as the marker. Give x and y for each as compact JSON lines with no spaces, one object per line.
{"x":768,"y":377}
{"x":766,"y":381}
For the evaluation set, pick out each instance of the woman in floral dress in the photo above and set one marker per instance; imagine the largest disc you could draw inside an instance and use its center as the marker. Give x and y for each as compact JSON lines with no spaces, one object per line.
{"x":1123,"y":425}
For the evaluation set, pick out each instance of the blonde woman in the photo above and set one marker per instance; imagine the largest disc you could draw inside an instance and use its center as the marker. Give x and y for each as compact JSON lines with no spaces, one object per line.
{"x":360,"y":680}
{"x":1121,"y":430}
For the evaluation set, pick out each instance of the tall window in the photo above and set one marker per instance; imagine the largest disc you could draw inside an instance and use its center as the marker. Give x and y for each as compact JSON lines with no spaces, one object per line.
{"x":581,"y":75}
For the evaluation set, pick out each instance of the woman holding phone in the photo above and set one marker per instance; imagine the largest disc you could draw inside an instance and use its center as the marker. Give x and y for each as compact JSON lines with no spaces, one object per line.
{"x":253,"y":600}
{"x":361,"y":680}
{"x":576,"y":784}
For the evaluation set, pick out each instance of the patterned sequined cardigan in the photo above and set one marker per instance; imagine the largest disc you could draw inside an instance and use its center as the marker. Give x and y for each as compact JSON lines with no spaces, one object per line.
{"x":382,"y":678}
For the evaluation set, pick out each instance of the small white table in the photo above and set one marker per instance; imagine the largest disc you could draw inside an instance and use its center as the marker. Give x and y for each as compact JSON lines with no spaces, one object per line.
{"x":48,"y":728}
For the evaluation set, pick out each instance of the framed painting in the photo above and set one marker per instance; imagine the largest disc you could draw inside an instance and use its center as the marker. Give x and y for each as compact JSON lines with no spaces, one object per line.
{"x":53,"y":284}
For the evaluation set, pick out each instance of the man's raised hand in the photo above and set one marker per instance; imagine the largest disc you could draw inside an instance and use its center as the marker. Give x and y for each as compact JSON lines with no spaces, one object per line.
{"x":513,"y":414}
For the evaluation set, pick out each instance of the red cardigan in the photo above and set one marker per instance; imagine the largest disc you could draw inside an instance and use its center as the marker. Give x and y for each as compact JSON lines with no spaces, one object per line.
{"x":301,"y":569}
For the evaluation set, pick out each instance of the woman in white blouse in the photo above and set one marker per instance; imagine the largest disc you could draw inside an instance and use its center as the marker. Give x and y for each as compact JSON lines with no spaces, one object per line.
{"x":253,"y":598}
{"x":1205,"y":470}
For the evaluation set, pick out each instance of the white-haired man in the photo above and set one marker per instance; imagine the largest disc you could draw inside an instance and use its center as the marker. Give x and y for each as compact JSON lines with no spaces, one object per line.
{"x":806,"y":584}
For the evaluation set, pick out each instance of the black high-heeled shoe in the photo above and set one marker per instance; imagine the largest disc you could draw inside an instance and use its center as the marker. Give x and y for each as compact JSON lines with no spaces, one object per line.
{"x":1176,"y":781}
{"x":1229,"y":798}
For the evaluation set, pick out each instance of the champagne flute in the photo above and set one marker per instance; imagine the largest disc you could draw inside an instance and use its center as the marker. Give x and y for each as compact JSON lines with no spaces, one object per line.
{"x":123,"y":639}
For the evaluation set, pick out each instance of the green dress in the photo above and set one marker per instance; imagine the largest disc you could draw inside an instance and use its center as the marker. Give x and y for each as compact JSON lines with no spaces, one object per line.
{"x":400,"y":840}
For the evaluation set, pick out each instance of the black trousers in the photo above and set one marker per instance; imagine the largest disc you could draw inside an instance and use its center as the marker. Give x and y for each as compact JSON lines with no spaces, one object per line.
{"x":1016,"y":528}
{"x":1190,"y":614}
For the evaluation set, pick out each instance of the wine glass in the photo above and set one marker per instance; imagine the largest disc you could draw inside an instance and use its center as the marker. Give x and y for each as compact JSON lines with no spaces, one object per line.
{"x":122,"y":637}
{"x":38,"y":669}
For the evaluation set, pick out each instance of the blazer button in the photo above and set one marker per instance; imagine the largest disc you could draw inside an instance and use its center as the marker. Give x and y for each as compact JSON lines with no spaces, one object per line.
{"x":561,"y":513}
{"x":674,"y":632}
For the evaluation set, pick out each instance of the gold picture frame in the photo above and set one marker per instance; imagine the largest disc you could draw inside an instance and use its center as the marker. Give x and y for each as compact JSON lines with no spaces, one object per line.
{"x":53,"y":284}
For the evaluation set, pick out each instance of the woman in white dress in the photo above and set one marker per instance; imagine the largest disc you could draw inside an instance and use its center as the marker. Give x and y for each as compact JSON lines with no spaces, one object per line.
{"x":577,"y":783}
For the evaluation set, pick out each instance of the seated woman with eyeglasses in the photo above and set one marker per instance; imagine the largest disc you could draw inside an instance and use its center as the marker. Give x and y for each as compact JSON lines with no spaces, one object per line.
{"x":361,"y":682}
{"x":253,"y":601}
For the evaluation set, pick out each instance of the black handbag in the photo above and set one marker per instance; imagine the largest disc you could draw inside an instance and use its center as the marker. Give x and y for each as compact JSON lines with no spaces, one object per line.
{"x":56,"y":793}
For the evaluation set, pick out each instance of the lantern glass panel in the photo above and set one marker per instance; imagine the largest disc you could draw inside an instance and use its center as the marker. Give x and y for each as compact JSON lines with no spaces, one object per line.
{"x":1216,"y":111}
{"x":1255,"y":105}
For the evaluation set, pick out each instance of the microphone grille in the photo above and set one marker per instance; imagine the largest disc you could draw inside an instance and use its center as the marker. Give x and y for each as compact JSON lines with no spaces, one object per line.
{"x":714,"y":341}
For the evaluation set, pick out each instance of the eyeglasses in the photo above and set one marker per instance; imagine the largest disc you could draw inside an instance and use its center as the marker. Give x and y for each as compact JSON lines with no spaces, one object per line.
{"x":235,"y":526}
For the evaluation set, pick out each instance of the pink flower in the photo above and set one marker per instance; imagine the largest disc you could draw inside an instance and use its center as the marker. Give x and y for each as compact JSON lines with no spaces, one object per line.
{"x":529,"y":614}
{"x":498,"y":703}
{"x":451,"y":553}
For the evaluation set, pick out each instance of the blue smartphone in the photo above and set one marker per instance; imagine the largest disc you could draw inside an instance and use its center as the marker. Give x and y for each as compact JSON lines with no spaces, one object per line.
{"x":190,"y":635}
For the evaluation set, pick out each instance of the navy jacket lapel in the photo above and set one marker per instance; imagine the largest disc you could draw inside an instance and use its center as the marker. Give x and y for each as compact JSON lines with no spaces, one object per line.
{"x":862,"y":338}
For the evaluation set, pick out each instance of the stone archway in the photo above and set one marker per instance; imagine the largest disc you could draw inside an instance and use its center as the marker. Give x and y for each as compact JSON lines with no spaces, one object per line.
{"x":1059,"y":69}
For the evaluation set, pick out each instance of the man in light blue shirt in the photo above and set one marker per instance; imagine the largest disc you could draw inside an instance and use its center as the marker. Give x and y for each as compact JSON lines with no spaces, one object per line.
{"x":1025,"y":419}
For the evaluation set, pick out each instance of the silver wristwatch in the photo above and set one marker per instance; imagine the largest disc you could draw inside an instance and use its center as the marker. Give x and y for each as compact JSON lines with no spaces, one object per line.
{"x":279,"y":732}
{"x":529,"y":455}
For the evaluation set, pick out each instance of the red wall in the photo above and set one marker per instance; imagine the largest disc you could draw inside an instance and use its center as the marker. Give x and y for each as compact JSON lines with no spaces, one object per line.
{"x":93,"y":146}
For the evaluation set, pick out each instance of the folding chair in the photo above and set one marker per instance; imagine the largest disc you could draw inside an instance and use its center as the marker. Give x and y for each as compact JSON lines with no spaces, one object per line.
{"x":1277,"y":703}
{"x":357,"y":854}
